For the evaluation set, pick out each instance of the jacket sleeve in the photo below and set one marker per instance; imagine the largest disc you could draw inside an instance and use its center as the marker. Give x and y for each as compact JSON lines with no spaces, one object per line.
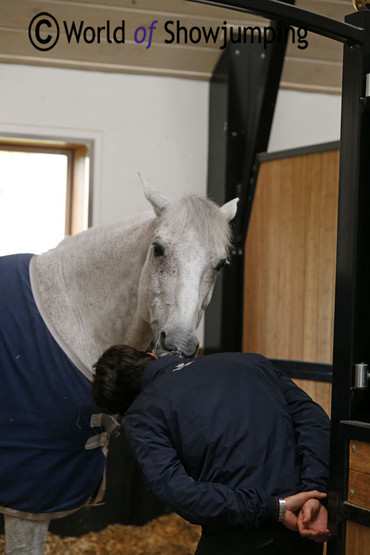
{"x":312,"y":427}
{"x":205,"y":503}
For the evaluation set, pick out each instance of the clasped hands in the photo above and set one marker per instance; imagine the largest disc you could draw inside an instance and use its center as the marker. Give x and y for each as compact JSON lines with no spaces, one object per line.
{"x":307,"y":515}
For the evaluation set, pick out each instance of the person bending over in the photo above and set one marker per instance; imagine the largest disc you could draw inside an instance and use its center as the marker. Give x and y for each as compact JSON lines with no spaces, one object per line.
{"x":227,"y":442}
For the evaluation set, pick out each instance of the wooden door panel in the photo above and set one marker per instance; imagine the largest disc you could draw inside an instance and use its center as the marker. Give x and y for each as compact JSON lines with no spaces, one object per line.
{"x":359,"y":456}
{"x":357,"y":539}
{"x":290,"y":259}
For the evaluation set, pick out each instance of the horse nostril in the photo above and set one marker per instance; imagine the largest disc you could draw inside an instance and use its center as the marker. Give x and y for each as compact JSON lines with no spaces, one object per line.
{"x":194,"y":347}
{"x":162,"y":337}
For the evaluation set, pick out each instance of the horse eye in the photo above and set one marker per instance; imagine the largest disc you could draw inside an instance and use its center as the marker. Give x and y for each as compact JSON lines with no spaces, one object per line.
{"x":158,"y":250}
{"x":221,"y":265}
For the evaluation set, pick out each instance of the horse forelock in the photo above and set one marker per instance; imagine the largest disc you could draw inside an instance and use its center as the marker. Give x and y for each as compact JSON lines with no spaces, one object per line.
{"x":201,"y":215}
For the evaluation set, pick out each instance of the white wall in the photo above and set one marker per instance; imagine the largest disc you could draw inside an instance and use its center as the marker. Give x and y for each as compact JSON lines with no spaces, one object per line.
{"x":303,"y":119}
{"x":155,"y":125}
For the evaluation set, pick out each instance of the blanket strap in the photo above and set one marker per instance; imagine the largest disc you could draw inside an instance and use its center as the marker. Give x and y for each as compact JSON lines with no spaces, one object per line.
{"x":101,"y":440}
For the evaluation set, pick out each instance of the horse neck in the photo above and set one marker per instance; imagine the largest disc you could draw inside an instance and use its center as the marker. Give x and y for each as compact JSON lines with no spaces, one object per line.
{"x":87,"y":288}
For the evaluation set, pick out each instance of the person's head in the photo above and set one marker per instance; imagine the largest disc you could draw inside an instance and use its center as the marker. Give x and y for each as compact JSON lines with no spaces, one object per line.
{"x":117,"y":378}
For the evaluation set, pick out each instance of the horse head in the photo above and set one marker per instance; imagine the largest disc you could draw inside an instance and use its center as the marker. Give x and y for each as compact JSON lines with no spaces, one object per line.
{"x":188,"y":250}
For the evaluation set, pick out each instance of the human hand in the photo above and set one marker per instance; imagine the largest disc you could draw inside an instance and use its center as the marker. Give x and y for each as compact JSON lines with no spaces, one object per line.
{"x":294,"y":503}
{"x":313,"y":521}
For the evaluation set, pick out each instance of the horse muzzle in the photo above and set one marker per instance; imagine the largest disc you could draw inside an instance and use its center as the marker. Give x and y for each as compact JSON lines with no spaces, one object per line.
{"x":176,"y":343}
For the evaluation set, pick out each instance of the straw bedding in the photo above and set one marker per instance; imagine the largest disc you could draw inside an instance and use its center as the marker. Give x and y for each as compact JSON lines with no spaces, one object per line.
{"x":169,"y":534}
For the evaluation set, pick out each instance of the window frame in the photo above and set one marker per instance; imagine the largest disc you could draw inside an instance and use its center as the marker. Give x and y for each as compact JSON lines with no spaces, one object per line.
{"x":76,"y":169}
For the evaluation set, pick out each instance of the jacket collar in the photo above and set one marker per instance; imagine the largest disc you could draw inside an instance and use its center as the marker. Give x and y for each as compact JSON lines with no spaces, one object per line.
{"x":153,"y":368}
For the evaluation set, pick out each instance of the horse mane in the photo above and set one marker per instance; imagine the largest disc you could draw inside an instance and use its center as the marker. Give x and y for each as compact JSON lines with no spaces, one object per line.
{"x":201,"y":214}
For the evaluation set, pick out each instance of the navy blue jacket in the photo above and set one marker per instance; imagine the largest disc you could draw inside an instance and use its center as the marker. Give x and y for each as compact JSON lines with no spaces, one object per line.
{"x":219,"y":437}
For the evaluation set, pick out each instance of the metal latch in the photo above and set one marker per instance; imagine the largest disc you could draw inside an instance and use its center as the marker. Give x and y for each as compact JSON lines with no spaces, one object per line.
{"x":365,"y":101}
{"x":362,"y":375}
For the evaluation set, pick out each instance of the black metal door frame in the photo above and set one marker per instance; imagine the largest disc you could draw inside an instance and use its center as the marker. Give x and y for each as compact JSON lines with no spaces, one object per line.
{"x":243,"y":92}
{"x":350,"y":412}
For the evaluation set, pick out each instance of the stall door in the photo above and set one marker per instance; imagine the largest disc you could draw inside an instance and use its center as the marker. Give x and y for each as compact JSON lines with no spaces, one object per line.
{"x":289,"y":274}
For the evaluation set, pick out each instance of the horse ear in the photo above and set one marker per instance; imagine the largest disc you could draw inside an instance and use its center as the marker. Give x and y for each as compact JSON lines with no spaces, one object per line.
{"x":229,"y":209}
{"x":158,"y":201}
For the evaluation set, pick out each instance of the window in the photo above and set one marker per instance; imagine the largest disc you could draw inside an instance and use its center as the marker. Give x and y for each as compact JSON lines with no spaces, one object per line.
{"x":43,"y":194}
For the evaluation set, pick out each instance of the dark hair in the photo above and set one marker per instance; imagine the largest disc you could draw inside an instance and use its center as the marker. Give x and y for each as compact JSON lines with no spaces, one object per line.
{"x":117,"y":378}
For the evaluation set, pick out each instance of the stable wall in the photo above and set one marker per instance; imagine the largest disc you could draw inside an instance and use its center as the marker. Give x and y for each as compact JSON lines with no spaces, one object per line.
{"x":304,"y":119}
{"x":154,"y":125}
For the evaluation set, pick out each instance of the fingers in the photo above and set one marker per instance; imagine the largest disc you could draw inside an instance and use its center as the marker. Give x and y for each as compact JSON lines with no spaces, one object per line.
{"x":322,"y":537}
{"x":313,"y":494}
{"x":304,"y":526}
{"x":309,"y":510}
{"x":320,"y":494}
{"x":317,"y":536}
{"x":306,"y":514}
{"x":311,"y":532}
{"x":315,"y":529}
{"x":291,"y":521}
{"x":295,"y":502}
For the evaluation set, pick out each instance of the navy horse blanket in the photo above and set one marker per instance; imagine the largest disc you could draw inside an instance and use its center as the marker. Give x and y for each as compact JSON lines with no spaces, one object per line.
{"x":51,"y":460}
